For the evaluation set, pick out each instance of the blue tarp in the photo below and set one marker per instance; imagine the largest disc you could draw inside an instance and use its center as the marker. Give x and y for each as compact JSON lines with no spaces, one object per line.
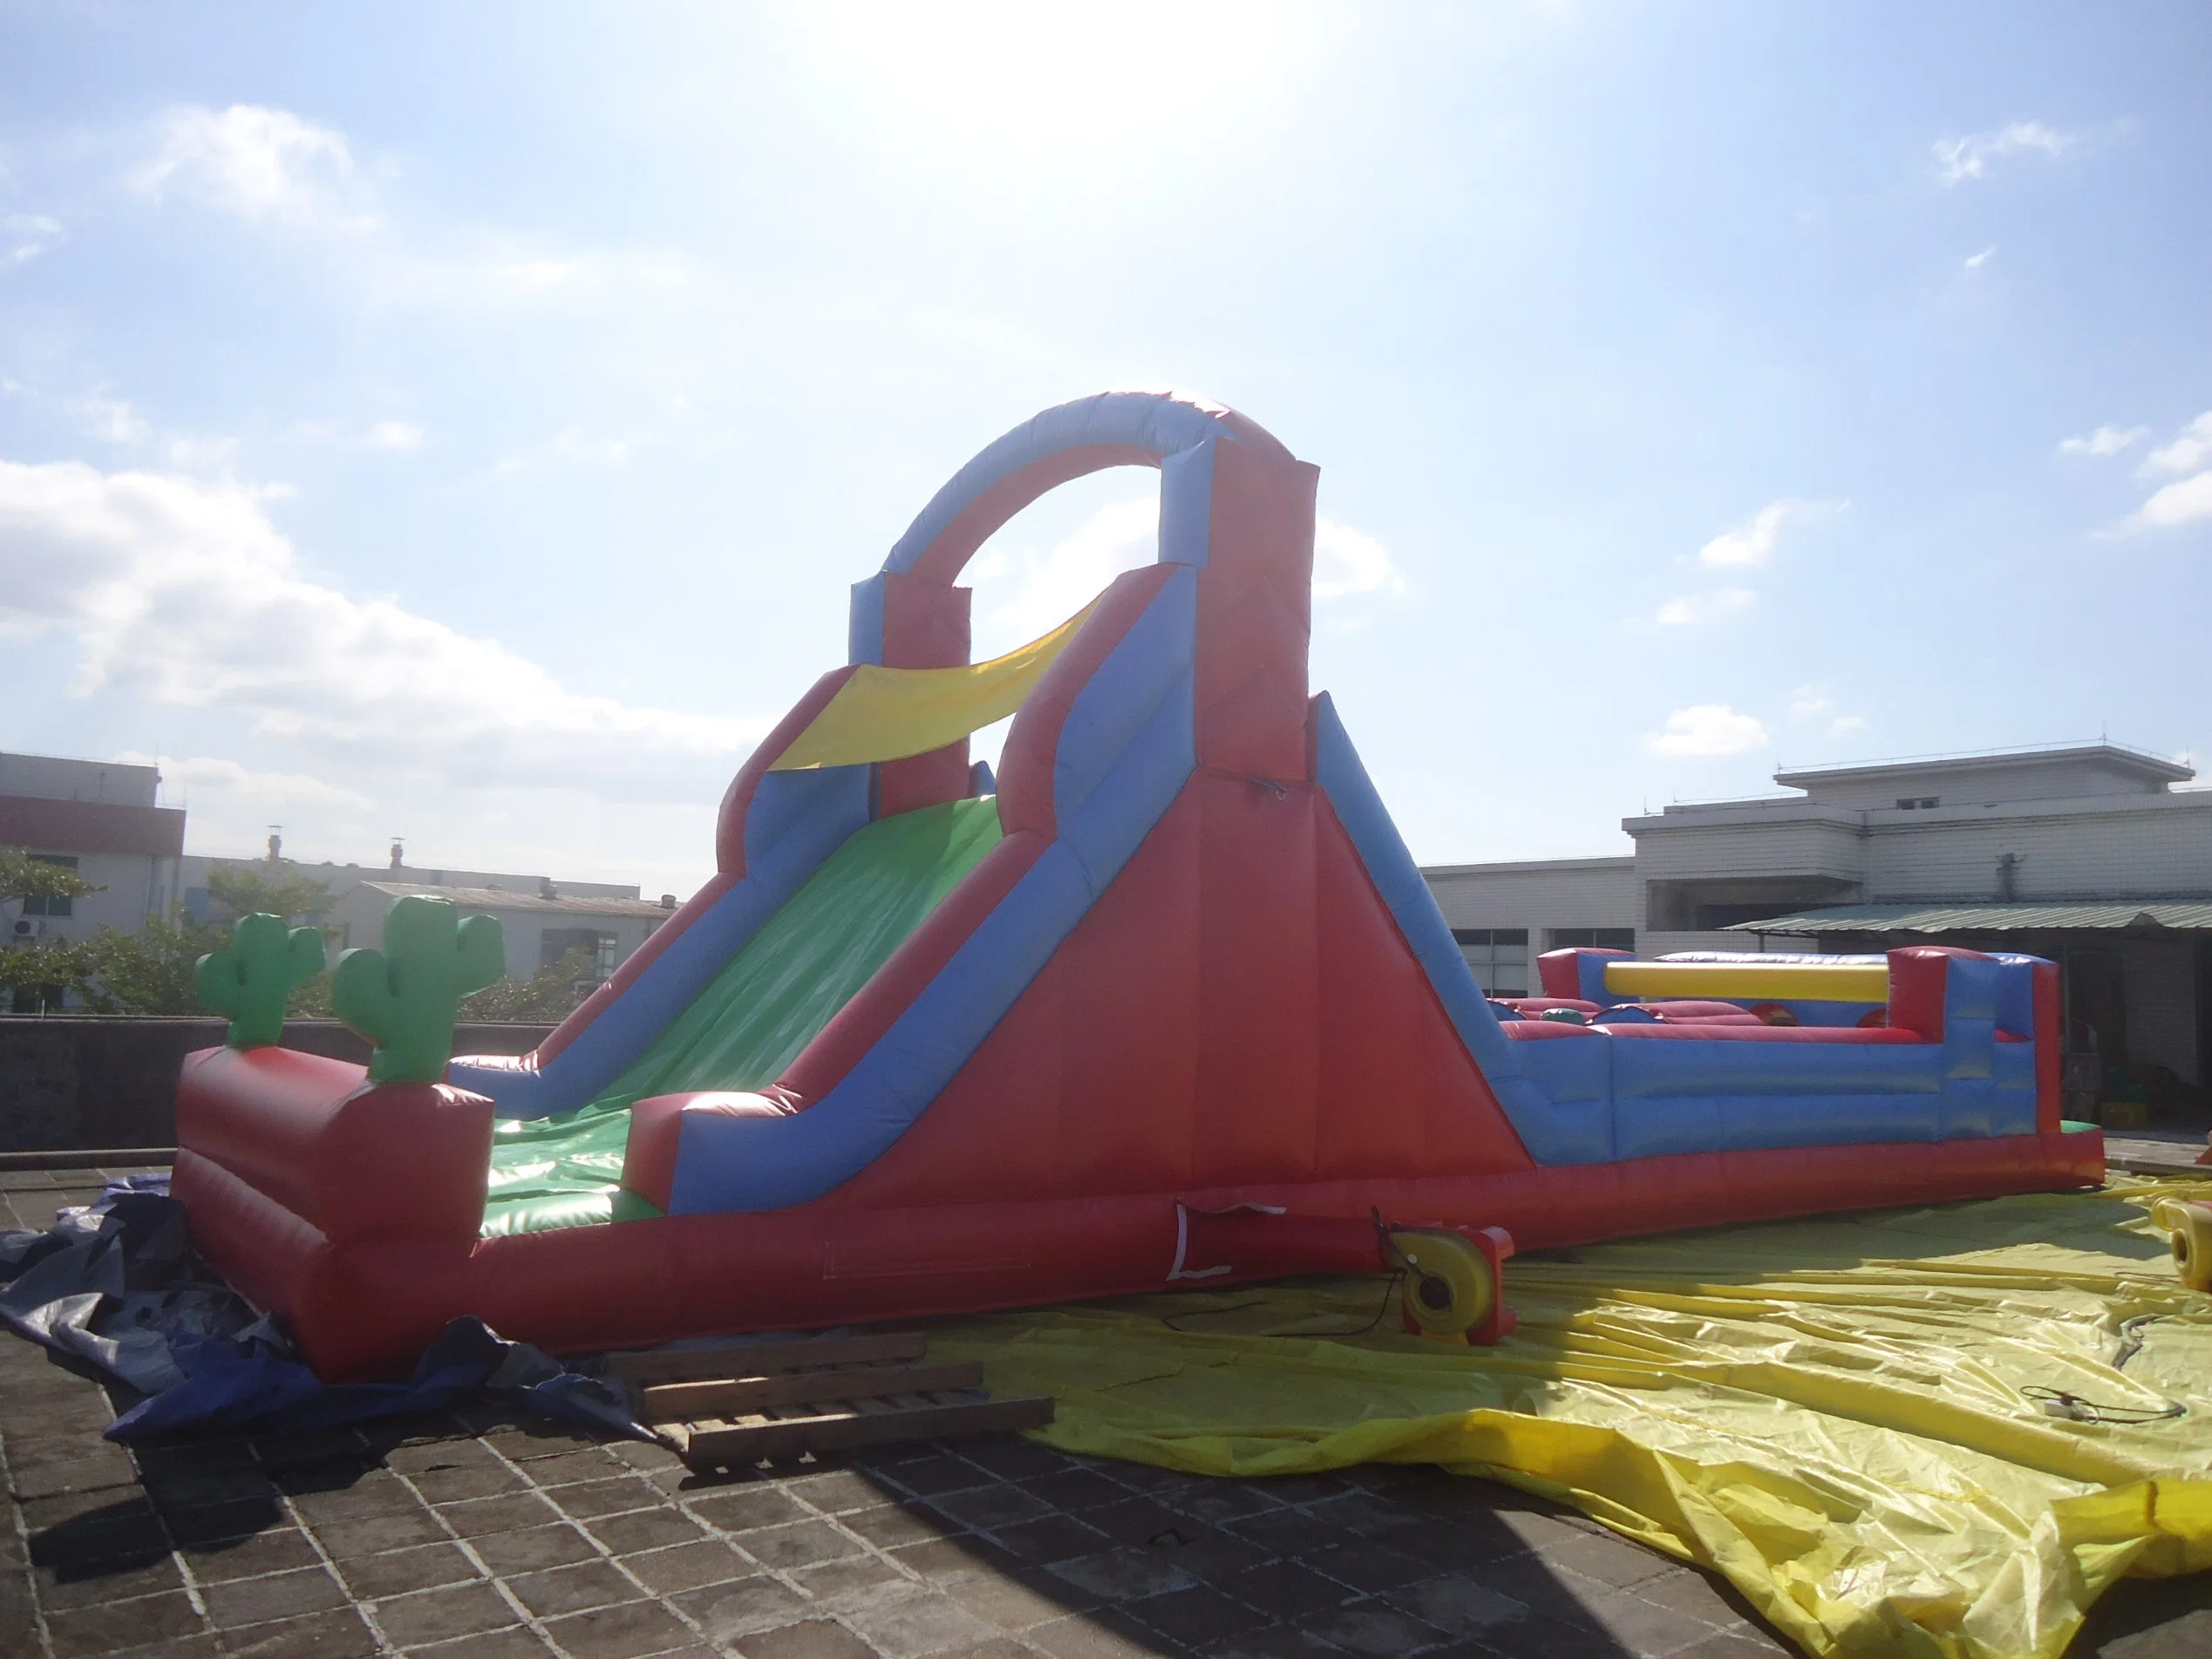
{"x":116,"y":1284}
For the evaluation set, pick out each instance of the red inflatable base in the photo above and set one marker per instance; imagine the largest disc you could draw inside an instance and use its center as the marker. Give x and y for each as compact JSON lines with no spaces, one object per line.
{"x":367,"y":1306}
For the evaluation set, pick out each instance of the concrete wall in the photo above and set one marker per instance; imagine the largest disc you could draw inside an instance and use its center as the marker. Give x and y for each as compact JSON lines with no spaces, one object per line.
{"x":133,"y":887}
{"x":86,"y":1081}
{"x":2159,"y":979}
{"x":1975,"y":783}
{"x":2132,"y":846}
{"x":53,"y":778}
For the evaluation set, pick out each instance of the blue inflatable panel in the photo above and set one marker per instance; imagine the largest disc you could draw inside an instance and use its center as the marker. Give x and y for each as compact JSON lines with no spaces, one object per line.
{"x":1552,"y":1135}
{"x":1127,"y":419}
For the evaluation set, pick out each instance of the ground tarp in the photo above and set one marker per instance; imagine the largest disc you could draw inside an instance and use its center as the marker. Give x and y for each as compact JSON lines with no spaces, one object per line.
{"x":1937,"y":1432}
{"x":115,"y":1284}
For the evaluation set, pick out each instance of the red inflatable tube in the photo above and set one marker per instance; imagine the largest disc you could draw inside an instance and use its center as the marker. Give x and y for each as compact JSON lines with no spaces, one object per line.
{"x":366,"y":1307}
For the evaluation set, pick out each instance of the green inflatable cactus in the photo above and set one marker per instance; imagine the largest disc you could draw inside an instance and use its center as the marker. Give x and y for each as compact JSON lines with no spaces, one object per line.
{"x":248,"y":984}
{"x":403,"y":998}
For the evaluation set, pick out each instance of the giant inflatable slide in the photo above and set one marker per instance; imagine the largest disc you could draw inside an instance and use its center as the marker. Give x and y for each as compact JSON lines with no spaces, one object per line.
{"x":1165,"y":1001}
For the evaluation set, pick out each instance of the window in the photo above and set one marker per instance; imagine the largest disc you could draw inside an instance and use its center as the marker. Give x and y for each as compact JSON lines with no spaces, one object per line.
{"x":50,"y":907}
{"x":1918,"y":803}
{"x":1499,"y":957}
{"x":1592,"y":938}
{"x":557,"y":942}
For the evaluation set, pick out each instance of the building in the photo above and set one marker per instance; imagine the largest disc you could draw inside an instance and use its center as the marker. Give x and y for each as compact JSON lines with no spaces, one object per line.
{"x":1504,"y":915}
{"x":2086,"y":853}
{"x":543,"y":920}
{"x":540,"y":928}
{"x":100,"y":820}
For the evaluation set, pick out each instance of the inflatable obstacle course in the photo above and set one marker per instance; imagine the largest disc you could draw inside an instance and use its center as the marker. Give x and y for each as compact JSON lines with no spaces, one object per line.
{"x":1164,"y":1003}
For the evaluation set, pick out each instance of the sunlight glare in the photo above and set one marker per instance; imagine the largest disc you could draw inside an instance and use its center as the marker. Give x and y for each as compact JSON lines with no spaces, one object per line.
{"x":1037,"y":77}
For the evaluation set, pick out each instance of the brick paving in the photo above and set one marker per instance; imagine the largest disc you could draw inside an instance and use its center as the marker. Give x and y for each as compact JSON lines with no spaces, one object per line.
{"x":480,"y":1537}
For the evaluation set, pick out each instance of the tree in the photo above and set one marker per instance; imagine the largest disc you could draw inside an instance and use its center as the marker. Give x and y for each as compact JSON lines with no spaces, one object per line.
{"x":550,"y":994}
{"x":149,"y":971}
{"x":271,"y":887}
{"x":38,"y":977}
{"x":275,"y":887}
{"x":25,"y":875}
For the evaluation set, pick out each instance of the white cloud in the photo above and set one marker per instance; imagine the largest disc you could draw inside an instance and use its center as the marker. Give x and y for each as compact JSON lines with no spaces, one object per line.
{"x":2106,"y":440}
{"x":1705,"y":607}
{"x":1959,"y":160}
{"x":2188,"y":498}
{"x":1050,"y":590}
{"x":494,"y":271}
{"x":111,"y":418}
{"x":2190,"y":451}
{"x":1705,"y":729}
{"x":1975,"y":262}
{"x":395,"y":434}
{"x":203,"y":454}
{"x":24,"y":236}
{"x":1126,"y":535}
{"x":272,"y":790}
{"x":1810,"y":703}
{"x":182,"y":591}
{"x":1752,"y":542}
{"x":271,"y":166}
{"x":570,"y":448}
{"x":1347,"y":562}
{"x":2176,"y":505}
{"x":257,"y":164}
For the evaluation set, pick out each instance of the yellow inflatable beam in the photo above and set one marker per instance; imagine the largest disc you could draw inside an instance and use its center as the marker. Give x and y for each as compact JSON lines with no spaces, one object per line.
{"x":1747,"y":982}
{"x":890,"y":713}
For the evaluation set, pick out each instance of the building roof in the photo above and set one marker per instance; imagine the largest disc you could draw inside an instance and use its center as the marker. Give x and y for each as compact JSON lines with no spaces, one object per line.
{"x":44,"y":825}
{"x":1523,"y":867}
{"x":2107,"y":757}
{"x":2112,"y":916}
{"x":502,"y":898}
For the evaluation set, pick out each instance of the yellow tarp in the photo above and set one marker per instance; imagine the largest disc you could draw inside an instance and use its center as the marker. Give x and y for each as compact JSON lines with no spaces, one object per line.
{"x":890,"y":713}
{"x":1781,"y":981}
{"x":1937,"y":1432}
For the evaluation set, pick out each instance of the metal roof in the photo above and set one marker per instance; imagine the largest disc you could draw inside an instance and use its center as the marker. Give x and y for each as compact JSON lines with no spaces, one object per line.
{"x":2114,"y":916}
{"x":2114,"y":757}
{"x":502,"y":898}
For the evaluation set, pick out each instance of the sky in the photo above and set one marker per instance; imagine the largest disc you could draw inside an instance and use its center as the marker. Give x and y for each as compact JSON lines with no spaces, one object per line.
{"x":465,"y":424}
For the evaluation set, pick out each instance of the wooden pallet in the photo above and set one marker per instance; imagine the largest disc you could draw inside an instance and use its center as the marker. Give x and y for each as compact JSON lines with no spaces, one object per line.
{"x":730,"y":1403}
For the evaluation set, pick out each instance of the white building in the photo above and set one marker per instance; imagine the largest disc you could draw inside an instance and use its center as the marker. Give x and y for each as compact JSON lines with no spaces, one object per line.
{"x":543,"y":920}
{"x":2084,"y":853}
{"x":539,"y":928}
{"x":98,"y":819}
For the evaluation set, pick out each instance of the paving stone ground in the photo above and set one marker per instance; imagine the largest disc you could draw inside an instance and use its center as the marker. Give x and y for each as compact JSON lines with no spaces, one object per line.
{"x":481,"y":1538}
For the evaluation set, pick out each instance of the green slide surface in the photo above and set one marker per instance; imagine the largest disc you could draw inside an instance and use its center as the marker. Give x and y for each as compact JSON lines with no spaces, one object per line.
{"x":753,"y":1019}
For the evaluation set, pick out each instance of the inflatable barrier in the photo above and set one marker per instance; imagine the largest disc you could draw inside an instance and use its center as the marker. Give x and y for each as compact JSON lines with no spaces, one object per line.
{"x":1166,"y":1001}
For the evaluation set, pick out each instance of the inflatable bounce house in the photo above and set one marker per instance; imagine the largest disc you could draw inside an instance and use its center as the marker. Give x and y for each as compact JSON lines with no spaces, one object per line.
{"x":1166,"y":1002}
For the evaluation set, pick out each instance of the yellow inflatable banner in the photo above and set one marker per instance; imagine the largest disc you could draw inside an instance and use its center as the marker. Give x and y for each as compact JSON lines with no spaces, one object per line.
{"x":1939,"y":1432}
{"x":890,"y":713}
